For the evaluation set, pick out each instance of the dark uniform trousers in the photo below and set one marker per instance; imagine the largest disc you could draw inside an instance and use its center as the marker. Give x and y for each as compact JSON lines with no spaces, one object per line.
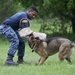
{"x":16,"y":42}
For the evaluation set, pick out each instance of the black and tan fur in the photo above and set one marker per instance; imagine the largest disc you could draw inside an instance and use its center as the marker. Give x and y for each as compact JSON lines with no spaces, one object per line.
{"x":46,"y":48}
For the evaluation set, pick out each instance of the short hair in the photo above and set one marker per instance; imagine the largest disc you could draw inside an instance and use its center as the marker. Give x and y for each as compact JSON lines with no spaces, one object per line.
{"x":34,"y":8}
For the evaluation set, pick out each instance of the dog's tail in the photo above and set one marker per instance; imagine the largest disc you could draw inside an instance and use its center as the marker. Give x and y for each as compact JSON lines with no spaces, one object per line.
{"x":72,"y":44}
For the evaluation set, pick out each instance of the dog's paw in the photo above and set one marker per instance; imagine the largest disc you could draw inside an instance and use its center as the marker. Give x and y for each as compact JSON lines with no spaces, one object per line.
{"x":36,"y":64}
{"x":32,"y":50}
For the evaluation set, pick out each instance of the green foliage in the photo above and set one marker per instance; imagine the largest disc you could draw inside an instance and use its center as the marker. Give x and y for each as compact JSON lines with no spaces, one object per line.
{"x":28,"y":3}
{"x":56,"y":26}
{"x":8,"y":8}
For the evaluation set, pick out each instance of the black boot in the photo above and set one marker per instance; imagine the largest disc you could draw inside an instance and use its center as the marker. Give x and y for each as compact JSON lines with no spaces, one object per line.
{"x":10,"y":62}
{"x":20,"y":60}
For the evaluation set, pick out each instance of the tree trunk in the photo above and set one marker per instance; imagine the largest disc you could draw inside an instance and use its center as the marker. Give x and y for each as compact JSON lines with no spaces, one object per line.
{"x":73,"y":24}
{"x":73,"y":20}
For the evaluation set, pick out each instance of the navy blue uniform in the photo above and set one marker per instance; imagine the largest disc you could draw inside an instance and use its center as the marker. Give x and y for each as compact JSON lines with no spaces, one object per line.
{"x":9,"y":28}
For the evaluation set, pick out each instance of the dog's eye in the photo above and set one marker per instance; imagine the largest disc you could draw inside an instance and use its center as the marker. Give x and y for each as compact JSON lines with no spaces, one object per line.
{"x":32,"y":38}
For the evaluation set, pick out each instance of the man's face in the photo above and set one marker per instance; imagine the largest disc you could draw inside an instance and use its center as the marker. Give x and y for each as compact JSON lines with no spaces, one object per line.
{"x":32,"y":14}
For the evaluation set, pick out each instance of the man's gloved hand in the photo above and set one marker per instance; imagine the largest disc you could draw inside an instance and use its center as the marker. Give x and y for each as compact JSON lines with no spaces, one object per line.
{"x":25,"y":31}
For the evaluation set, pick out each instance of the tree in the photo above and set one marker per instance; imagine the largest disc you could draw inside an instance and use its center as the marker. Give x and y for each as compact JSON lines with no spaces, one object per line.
{"x":7,"y":8}
{"x":63,"y":8}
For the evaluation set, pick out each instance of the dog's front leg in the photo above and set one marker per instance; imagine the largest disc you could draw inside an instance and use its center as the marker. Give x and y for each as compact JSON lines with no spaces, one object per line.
{"x":38,"y":62}
{"x":42,"y":59}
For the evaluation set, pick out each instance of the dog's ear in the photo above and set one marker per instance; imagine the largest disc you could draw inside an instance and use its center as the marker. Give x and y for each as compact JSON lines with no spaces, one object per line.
{"x":31,"y":35}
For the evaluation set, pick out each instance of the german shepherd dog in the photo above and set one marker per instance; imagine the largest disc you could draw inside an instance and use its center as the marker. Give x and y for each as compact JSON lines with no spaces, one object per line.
{"x":48,"y":47}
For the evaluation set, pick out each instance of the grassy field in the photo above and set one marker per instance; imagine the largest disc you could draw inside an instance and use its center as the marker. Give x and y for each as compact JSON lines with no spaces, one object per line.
{"x":52,"y":66}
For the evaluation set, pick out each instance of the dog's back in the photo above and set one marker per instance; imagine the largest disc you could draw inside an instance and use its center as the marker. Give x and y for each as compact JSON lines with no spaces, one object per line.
{"x":57,"y":39}
{"x":53,"y":44}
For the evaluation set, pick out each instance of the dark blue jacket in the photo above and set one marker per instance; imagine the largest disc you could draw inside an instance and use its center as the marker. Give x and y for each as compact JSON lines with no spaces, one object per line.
{"x":14,"y":20}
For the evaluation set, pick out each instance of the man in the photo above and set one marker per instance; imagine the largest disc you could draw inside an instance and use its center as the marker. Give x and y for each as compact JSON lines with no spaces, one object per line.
{"x":9,"y":29}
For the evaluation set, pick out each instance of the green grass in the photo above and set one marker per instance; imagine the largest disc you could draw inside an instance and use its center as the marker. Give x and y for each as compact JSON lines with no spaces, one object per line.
{"x":52,"y":66}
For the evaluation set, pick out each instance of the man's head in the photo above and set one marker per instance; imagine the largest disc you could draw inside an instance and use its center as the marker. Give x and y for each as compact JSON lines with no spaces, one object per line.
{"x":32,"y":12}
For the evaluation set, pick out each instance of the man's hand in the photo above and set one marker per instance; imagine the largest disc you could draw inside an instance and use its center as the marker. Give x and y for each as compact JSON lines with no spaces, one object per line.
{"x":25,"y":31}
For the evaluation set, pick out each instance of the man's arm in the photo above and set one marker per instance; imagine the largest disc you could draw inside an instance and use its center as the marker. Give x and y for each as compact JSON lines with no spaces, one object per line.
{"x":24,"y":28}
{"x":24,"y":23}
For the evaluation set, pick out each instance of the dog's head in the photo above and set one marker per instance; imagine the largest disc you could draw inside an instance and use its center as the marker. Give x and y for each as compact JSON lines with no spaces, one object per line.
{"x":32,"y":41}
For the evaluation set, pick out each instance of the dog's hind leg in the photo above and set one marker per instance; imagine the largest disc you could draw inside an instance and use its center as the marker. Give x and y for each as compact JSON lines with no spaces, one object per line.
{"x":38,"y":62}
{"x":61,"y":50}
{"x":42,"y":60}
{"x":64,"y":50}
{"x":69,"y":60}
